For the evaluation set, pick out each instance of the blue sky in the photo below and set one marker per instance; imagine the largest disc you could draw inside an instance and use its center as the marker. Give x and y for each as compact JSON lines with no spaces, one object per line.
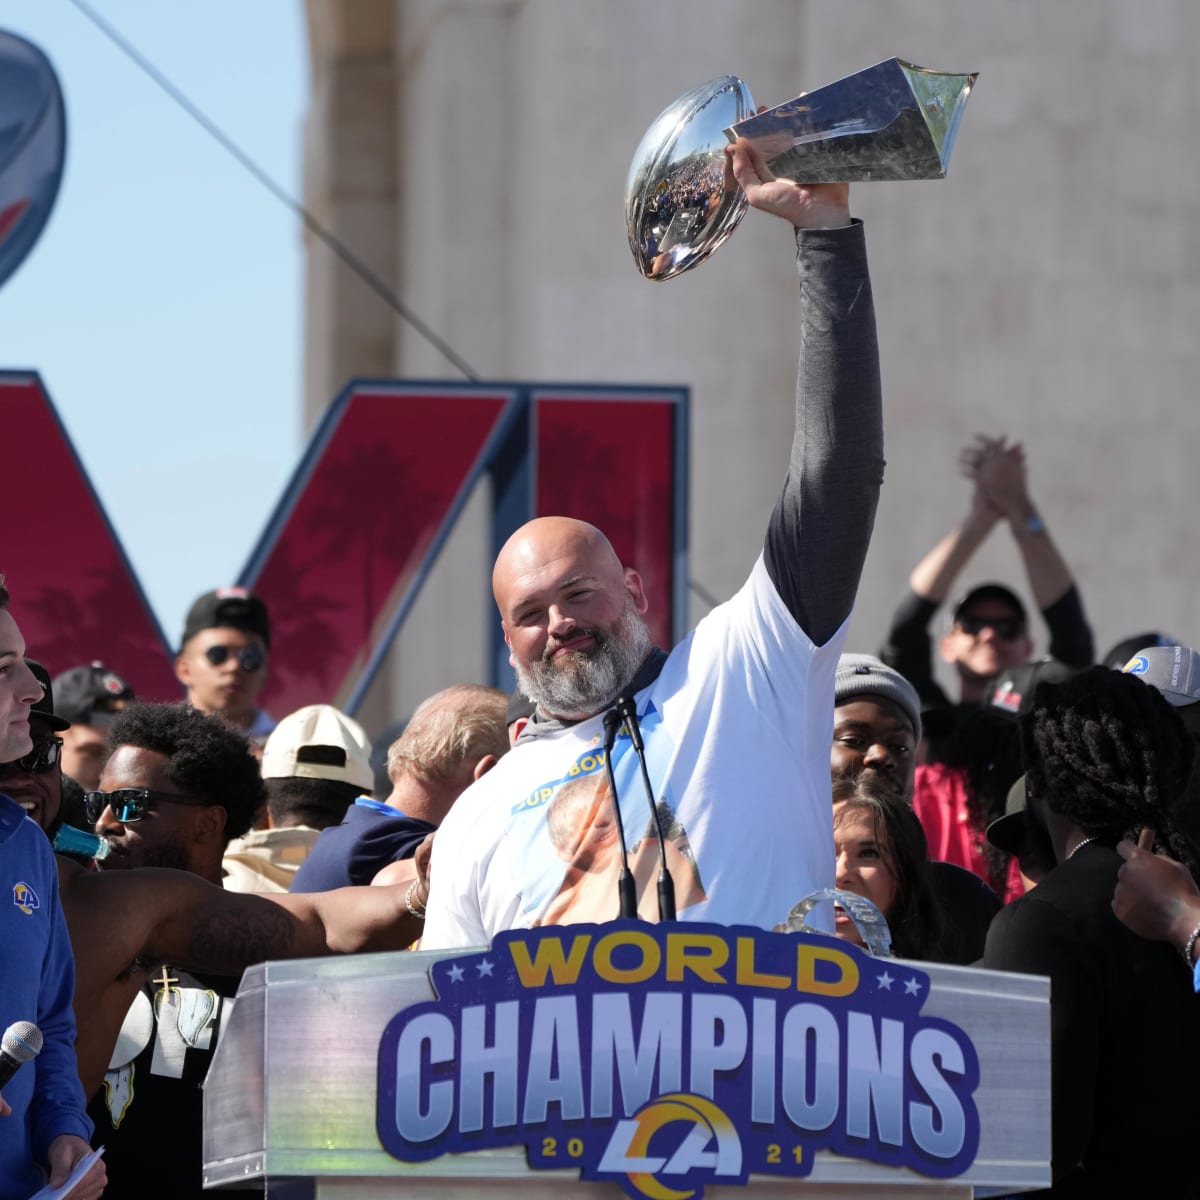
{"x":163,"y":305}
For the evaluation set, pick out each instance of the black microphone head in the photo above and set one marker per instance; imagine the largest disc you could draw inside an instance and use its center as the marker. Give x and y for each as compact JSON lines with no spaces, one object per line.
{"x":628,"y":711}
{"x":612,"y":722}
{"x":22,"y":1041}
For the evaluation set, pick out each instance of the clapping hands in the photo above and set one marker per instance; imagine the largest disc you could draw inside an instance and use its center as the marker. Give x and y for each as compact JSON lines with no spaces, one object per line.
{"x":998,"y":471}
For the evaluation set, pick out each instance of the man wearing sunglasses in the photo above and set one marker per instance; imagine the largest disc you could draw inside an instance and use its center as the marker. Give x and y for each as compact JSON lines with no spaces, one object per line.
{"x":176,"y":787}
{"x":989,"y":631}
{"x":43,"y":1122}
{"x":223,"y":658}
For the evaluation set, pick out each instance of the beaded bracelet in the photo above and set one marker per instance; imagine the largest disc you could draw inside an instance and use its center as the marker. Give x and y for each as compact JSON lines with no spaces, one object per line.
{"x":417,"y":907}
{"x":1190,"y":944}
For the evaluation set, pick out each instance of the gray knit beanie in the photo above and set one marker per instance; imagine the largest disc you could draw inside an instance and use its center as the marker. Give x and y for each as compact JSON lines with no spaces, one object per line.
{"x":862,"y":674}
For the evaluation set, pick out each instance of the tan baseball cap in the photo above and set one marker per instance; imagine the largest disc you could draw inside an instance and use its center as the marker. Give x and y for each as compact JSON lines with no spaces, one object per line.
{"x":319,"y":742}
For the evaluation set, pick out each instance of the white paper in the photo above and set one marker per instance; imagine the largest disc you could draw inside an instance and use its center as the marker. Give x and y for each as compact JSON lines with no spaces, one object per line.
{"x":82,"y":1167}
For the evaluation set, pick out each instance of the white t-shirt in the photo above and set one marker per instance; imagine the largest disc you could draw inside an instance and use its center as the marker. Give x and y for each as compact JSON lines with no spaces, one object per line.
{"x":737,"y":730}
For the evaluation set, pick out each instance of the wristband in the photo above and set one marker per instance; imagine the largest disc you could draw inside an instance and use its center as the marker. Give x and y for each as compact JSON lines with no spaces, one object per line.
{"x":1033,"y":524}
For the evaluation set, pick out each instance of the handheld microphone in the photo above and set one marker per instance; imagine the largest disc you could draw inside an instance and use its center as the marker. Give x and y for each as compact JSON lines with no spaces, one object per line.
{"x":627,"y":710}
{"x":22,"y":1041}
{"x":626,"y":887}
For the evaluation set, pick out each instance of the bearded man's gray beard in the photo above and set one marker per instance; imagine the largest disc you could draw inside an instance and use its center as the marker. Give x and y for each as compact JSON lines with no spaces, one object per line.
{"x":582,"y":682}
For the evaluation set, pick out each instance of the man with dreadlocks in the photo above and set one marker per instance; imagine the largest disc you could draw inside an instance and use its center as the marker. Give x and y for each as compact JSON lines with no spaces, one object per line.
{"x":1104,"y":757}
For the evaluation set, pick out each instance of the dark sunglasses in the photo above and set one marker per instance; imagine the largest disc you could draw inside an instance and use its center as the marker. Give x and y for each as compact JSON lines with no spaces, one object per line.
{"x":250,"y":658}
{"x":43,"y":757}
{"x":131,"y":804}
{"x":1005,"y":628}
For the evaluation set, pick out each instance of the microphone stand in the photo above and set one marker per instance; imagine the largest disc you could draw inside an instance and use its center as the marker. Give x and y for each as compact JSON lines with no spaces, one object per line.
{"x":626,"y":887}
{"x":627,"y":712}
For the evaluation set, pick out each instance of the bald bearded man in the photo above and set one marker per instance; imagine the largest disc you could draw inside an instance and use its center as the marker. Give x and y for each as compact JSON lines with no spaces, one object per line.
{"x":737,"y":719}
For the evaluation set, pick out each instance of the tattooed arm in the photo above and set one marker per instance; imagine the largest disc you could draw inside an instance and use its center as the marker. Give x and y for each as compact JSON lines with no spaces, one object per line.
{"x":123,"y":923}
{"x":227,"y":931}
{"x":176,"y":917}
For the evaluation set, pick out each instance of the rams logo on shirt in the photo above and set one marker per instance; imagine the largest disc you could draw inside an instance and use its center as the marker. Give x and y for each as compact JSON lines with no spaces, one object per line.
{"x":25,"y":898}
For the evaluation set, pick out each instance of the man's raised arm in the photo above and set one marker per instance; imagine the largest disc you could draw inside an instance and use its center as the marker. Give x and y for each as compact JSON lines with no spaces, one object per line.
{"x":818,"y":535}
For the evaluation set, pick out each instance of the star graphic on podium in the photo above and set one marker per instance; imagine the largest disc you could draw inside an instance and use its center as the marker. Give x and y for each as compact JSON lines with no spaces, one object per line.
{"x":484,"y":967}
{"x":886,"y":981}
{"x":912,"y":987}
{"x":456,"y":974}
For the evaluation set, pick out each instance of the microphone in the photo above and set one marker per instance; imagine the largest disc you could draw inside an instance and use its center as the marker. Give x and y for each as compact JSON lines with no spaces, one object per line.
{"x":626,"y":887}
{"x":627,"y":710}
{"x":22,"y":1041}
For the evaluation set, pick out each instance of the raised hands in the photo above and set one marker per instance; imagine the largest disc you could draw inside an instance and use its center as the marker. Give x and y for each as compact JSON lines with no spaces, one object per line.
{"x":998,"y":471}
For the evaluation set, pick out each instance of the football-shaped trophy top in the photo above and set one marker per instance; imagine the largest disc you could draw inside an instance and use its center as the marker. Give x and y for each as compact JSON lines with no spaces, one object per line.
{"x":677,"y":211}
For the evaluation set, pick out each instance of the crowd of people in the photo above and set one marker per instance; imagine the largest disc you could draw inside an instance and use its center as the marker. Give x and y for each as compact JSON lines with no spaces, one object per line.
{"x":1043,"y":819}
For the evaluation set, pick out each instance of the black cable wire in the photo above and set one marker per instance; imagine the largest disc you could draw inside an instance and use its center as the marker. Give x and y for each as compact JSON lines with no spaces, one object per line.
{"x":347,"y":256}
{"x":343,"y":252}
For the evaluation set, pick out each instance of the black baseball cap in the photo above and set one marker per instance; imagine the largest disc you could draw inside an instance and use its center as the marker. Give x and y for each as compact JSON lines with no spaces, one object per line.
{"x":85,"y":691}
{"x":991,"y":591}
{"x":1011,"y":691}
{"x":44,"y":707}
{"x":227,"y":608}
{"x":1007,"y":833}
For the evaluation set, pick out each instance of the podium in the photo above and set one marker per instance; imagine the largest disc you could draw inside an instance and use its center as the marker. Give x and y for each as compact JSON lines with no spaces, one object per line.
{"x":292,"y":1092}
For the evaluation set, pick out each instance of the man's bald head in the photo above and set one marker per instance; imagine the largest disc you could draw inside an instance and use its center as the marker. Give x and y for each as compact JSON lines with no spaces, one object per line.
{"x":572,"y":615}
{"x":545,"y":541}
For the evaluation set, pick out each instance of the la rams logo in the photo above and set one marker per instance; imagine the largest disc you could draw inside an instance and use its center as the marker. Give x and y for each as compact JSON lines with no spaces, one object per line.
{"x":1138,"y":665}
{"x":670,"y":1137}
{"x":25,"y":898}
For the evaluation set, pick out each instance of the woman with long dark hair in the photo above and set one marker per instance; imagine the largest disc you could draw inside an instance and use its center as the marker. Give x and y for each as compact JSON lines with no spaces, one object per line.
{"x":881,"y":854}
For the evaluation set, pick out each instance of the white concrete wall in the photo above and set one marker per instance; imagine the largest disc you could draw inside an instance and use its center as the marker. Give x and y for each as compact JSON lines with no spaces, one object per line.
{"x":1048,"y":289}
{"x":350,"y":149}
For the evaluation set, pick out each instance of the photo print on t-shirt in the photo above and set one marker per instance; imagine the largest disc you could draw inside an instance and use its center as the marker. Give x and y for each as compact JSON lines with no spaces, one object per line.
{"x":567,"y":827}
{"x":582,"y":824}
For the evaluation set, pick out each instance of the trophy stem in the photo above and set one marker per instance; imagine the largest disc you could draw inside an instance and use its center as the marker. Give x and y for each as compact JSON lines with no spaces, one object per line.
{"x":893,"y":121}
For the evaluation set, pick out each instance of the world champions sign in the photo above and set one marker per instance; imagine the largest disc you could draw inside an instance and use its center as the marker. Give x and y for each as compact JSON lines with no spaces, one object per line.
{"x":665,"y":1057}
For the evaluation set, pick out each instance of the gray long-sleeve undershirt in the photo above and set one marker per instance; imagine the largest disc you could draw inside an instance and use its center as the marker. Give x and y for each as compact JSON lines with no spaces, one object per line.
{"x":818,"y":535}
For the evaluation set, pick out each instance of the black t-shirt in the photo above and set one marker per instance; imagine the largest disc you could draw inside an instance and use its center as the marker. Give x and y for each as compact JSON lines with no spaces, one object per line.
{"x":908,"y":648}
{"x":151,"y":1124}
{"x":969,"y":906}
{"x":1125,"y":1055}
